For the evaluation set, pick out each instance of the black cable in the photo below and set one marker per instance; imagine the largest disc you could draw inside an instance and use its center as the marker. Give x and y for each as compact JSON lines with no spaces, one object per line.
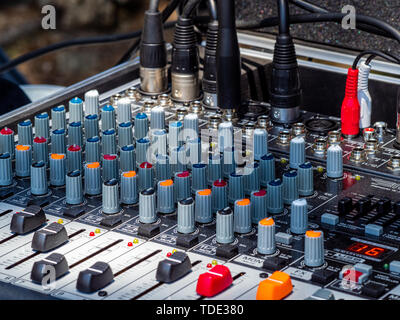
{"x":374,"y":53}
{"x":190,"y":7}
{"x":327,"y":17}
{"x":212,"y":8}
{"x":283,"y":13}
{"x":166,"y":13}
{"x":316,"y":9}
{"x":84,"y":41}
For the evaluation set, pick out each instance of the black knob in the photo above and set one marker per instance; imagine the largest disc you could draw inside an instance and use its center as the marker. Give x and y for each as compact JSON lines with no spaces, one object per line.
{"x":345,"y":205}
{"x":396,"y":208}
{"x":363,"y":205}
{"x":384,"y":206}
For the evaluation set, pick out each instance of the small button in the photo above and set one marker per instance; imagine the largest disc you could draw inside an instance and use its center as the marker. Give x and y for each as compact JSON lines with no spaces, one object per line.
{"x":323,"y":276}
{"x":330,"y":219}
{"x":321,"y":294}
{"x":275,"y":287}
{"x":345,"y":205}
{"x":373,"y":230}
{"x":374,"y":290}
{"x":394,"y":266}
{"x":364,"y":268}
{"x":284,"y":238}
{"x":274,"y":263}
{"x":227,"y":251}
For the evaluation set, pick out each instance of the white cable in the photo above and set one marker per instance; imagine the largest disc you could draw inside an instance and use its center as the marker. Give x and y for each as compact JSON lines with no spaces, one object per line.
{"x":364,"y":97}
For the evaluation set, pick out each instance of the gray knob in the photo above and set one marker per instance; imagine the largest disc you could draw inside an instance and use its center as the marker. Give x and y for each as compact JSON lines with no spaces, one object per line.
{"x":334,"y":162}
{"x":225,"y":136}
{"x":7,"y":144}
{"x":42,"y":127}
{"x":175,"y":134}
{"x":242,"y":216}
{"x":92,"y":102}
{"x":57,"y":169}
{"x":142,"y":146}
{"x":297,"y":152}
{"x":229,"y":163}
{"x":252,"y":178}
{"x":40,"y":150}
{"x":258,"y":205}
{"x":185,"y":214}
{"x":219,"y":195}
{"x":109,"y":142}
{"x":214,"y":168}
{"x":93,"y":149}
{"x":199,"y":174}
{"x":236,"y":187}
{"x":147,"y":206}
{"x":127,"y":158}
{"x":125,"y":134}
{"x":74,"y":158}
{"x":194,"y":148}
{"x":25,"y":133}
{"x":299,"y":216}
{"x":314,"y":252}
{"x":58,"y":118}
{"x":178,"y":159}
{"x":75,"y":110}
{"x":191,"y":126}
{"x":306,"y":179}
{"x":157,"y":117}
{"x":224,"y":226}
{"x":75,"y":134}
{"x":74,"y":193}
{"x":146,"y":176}
{"x":38,"y":179}
{"x":166,"y":197}
{"x":91,"y":125}
{"x":107,"y":118}
{"x":124,"y":112}
{"x":163,"y":169}
{"x":58,"y":141}
{"x":129,"y":191}
{"x":110,"y":197}
{"x":203,"y":212}
{"x":290,"y":186}
{"x":141,"y":126}
{"x":182,"y":185}
{"x":23,"y":160}
{"x":260,"y":141}
{"x":110,"y":167}
{"x":274,"y":197}
{"x":93,"y":185}
{"x":266,"y":236}
{"x":159,"y":142}
{"x":6,"y":175}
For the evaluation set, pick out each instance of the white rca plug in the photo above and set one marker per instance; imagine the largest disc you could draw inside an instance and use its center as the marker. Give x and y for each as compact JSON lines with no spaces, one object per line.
{"x":364,"y":97}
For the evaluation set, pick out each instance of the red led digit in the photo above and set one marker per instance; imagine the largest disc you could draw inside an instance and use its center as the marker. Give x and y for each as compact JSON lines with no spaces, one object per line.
{"x":375,"y":252}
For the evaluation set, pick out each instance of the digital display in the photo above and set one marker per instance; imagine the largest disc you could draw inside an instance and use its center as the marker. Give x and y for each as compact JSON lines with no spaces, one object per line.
{"x":367,"y":249}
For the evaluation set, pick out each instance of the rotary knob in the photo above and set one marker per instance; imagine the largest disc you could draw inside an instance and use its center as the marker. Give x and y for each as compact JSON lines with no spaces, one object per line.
{"x":75,"y":134}
{"x":163,"y":169}
{"x":58,"y":118}
{"x":147,"y":206}
{"x":58,"y":141}
{"x":93,"y":149}
{"x":39,"y":185}
{"x":178,"y":159}
{"x":110,"y":167}
{"x":334,"y":162}
{"x":23,"y":160}
{"x":258,"y":205}
{"x":203,"y":212}
{"x":142,"y":146}
{"x":225,"y":136}
{"x":252,"y":178}
{"x":125,"y":134}
{"x":110,"y":197}
{"x":6,"y":175}
{"x":297,"y":152}
{"x":93,"y":185}
{"x":92,"y":102}
{"x":236,"y":188}
{"x":40,"y":149}
{"x":199,"y":177}
{"x":194,"y":148}
{"x":290,"y":186}
{"x":191,"y":126}
{"x":107,"y":118}
{"x":260,"y":140}
{"x":7,"y":144}
{"x":182,"y":185}
{"x":127,"y":158}
{"x":175,"y":134}
{"x":274,"y":197}
{"x":214,"y":168}
{"x":141,"y":126}
{"x":314,"y":253}
{"x":74,"y":193}
{"x":299,"y":216}
{"x":219,"y":195}
{"x":166,"y":197}
{"x":75,"y":110}
{"x":267,"y":169}
{"x":57,"y":169}
{"x":25,"y":133}
{"x":129,"y":191}
{"x":91,"y":125}
{"x":74,"y":158}
{"x":124,"y":111}
{"x":157,"y":118}
{"x":266,"y":236}
{"x":306,"y":179}
{"x":42,"y":126}
{"x":186,"y":219}
{"x":242,"y":216}
{"x":229,"y":164}
{"x":146,"y":176}
{"x":224,"y":226}
{"x":109,"y":142}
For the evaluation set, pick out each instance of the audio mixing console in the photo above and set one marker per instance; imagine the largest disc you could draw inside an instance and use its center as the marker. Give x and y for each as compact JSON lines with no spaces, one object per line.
{"x":137,"y":185}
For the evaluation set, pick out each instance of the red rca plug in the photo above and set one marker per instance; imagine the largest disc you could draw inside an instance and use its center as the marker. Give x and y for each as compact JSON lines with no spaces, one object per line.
{"x":351,"y":107}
